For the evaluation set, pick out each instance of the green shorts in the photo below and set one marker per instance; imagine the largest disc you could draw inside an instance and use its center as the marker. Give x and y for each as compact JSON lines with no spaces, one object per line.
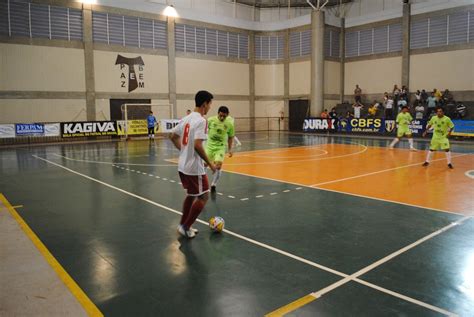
{"x":439,"y":144}
{"x":401,"y":131}
{"x":216,"y":154}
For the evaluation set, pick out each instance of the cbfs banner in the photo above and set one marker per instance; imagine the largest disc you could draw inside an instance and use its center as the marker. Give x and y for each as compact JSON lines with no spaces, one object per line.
{"x":369,"y":125}
{"x":463,"y":128}
{"x":319,"y":124}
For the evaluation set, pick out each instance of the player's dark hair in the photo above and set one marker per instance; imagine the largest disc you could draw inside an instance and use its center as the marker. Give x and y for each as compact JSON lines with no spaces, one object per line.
{"x":437,"y":108}
{"x":223,"y":109}
{"x":405,"y":107}
{"x":202,"y":97}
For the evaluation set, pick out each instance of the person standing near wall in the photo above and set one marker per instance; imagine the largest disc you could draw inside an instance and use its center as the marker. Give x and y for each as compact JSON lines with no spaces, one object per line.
{"x":151,"y":124}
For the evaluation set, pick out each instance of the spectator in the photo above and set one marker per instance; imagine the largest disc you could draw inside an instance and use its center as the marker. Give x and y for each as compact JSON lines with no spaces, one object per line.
{"x":373,"y":109}
{"x":333,"y":113}
{"x":357,"y":108}
{"x":437,"y":94}
{"x":385,"y":97}
{"x":389,"y":108}
{"x":358,"y":95}
{"x":404,"y":93}
{"x":396,"y":93}
{"x":349,"y":115}
{"x":419,"y":111}
{"x":417,"y":98}
{"x":447,"y":96}
{"x":431,"y":104}
{"x":325,"y":114}
{"x":188,"y":112}
{"x":424,"y":97}
{"x":401,"y":103}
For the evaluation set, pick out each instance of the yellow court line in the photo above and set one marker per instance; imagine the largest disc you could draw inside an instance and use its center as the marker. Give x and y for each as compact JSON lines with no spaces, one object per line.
{"x":292,"y":306}
{"x":88,"y":305}
{"x":17,"y":206}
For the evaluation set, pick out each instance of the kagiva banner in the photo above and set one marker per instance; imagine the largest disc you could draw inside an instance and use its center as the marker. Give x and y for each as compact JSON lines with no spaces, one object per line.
{"x":88,"y":129}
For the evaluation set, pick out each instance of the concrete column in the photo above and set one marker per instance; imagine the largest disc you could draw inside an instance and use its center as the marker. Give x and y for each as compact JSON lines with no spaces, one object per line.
{"x":172,"y":66}
{"x":317,"y":62}
{"x":252,"y":80}
{"x":342,"y":73}
{"x":406,"y":44}
{"x":89,"y":62}
{"x":286,"y":74}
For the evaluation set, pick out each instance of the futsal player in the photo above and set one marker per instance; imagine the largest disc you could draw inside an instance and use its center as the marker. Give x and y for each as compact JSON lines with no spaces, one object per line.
{"x":221,"y":135}
{"x":188,"y":137}
{"x":403,"y":120}
{"x":442,"y":128}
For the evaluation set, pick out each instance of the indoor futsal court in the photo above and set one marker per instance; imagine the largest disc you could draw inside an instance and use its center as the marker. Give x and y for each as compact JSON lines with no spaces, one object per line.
{"x":386,"y":239}
{"x":236,"y":158}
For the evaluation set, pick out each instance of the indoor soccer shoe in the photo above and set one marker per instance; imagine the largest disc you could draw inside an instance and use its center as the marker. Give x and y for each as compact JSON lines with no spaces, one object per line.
{"x":186,"y":233}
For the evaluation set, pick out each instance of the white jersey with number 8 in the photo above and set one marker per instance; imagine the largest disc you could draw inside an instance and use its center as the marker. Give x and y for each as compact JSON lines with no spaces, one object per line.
{"x":190,"y":128}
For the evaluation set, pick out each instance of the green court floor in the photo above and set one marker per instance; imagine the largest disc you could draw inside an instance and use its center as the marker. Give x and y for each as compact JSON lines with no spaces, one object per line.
{"x":108,"y":213}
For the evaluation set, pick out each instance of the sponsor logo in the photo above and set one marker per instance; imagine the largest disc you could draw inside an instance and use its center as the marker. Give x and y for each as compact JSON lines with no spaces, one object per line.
{"x":84,"y":129}
{"x":366,"y":125}
{"x":318,"y":124}
{"x":133,"y":78}
{"x":7,"y":130}
{"x":390,"y":125}
{"x":29,"y":128}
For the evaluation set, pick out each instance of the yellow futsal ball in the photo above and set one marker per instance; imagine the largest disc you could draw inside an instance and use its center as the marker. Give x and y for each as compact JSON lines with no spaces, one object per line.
{"x":216,"y":224}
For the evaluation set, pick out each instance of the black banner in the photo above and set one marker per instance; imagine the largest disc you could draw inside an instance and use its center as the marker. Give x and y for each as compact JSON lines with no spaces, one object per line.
{"x":88,"y":129}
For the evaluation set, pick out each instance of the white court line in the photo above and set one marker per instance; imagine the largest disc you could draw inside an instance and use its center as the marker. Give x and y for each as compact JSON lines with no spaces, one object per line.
{"x":279,"y":251}
{"x":259,"y":196}
{"x":347,"y":193}
{"x":111,"y":163}
{"x":354,"y":276}
{"x":470,"y":174}
{"x":381,"y":171}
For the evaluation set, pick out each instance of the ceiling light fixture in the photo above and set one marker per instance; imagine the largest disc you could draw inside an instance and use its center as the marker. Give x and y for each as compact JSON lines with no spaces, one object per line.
{"x":170,"y":11}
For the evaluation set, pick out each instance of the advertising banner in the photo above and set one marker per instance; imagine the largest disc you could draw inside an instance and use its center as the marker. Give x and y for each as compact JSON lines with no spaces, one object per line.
{"x":463,"y":128}
{"x":319,"y":124}
{"x":88,"y":129}
{"x":52,"y":129}
{"x":416,"y":126}
{"x":7,"y":130}
{"x":365,"y":125}
{"x":167,"y":125}
{"x":29,"y":129}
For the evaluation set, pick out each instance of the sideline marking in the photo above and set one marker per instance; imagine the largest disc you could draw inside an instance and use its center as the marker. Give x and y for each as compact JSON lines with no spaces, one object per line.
{"x":90,"y":308}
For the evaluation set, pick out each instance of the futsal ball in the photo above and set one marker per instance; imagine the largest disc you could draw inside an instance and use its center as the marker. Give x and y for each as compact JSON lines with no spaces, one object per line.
{"x":216,"y":224}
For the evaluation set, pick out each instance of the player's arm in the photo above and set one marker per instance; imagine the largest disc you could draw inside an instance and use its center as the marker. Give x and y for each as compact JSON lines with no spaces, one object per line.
{"x":451,"y":128}
{"x":176,"y":139}
{"x":427,"y":128}
{"x":199,"y":148}
{"x":230,"y":142}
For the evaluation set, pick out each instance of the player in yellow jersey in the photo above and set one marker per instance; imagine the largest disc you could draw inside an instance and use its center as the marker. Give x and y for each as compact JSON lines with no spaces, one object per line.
{"x":442,"y":128}
{"x":220,"y":135}
{"x":403,"y":120}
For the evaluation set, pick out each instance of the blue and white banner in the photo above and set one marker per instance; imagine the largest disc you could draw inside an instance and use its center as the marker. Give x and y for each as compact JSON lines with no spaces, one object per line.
{"x":29,"y":129}
{"x":463,"y":128}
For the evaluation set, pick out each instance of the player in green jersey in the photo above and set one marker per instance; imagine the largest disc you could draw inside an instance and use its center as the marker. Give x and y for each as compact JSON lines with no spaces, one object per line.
{"x":404,"y":118}
{"x":220,"y":135}
{"x":442,"y":128}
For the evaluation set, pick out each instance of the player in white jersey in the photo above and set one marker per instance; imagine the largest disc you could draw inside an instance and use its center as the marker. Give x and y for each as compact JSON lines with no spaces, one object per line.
{"x":188,"y":137}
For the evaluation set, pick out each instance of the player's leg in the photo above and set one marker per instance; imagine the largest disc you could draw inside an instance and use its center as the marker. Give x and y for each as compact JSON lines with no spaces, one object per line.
{"x":201,"y":186}
{"x":410,"y":141}
{"x":446,"y":147}
{"x":434,"y":145}
{"x":218,"y":161}
{"x":400,"y":134}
